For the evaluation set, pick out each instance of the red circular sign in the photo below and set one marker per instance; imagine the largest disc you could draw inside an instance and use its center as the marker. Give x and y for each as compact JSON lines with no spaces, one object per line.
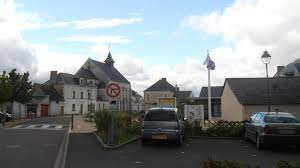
{"x":113,"y":90}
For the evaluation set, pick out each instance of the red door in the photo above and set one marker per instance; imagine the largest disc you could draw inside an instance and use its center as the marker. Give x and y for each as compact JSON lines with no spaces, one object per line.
{"x":62,"y":110}
{"x":44,"y":110}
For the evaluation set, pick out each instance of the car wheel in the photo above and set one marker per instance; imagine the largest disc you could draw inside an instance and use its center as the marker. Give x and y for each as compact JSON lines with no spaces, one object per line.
{"x":259,"y":144}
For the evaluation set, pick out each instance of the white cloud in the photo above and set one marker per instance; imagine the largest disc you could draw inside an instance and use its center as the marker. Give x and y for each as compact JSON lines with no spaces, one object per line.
{"x":248,"y":28}
{"x":14,"y":51}
{"x":104,"y":23}
{"x":151,"y":34}
{"x":115,"y":39}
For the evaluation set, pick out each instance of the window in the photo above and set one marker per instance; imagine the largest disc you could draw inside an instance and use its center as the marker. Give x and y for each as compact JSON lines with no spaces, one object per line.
{"x":148,"y":97}
{"x":81,"y":81}
{"x":216,"y":110}
{"x":74,"y":94}
{"x":161,"y":115}
{"x":81,"y":96}
{"x":73,"y":107}
{"x":89,"y":95}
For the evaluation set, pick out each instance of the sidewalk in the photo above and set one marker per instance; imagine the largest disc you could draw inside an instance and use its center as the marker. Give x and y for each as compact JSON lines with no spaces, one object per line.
{"x":82,"y":126}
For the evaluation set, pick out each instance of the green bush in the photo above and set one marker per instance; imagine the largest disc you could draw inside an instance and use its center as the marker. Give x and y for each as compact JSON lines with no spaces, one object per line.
{"x":219,"y":128}
{"x":124,"y":127}
{"x":285,"y":164}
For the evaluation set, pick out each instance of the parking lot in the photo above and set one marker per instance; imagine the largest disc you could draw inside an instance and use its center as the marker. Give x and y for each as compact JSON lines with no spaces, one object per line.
{"x":84,"y":151}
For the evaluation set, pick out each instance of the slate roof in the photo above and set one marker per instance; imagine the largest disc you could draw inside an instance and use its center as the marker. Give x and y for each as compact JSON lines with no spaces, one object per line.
{"x":216,"y":92}
{"x":63,"y":78}
{"x":253,"y":91}
{"x":182,"y":95}
{"x":161,"y":85}
{"x":85,"y":73}
{"x":110,"y":71}
{"x":49,"y":90}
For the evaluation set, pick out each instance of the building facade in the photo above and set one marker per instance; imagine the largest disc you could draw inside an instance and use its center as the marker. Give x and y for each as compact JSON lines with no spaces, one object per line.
{"x":242,"y":97}
{"x":83,"y":92}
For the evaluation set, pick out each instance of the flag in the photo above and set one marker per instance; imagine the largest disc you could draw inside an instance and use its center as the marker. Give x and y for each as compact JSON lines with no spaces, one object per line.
{"x":209,"y":63}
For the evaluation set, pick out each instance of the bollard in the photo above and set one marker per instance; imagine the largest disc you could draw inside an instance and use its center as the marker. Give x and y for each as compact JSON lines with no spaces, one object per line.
{"x":72,"y":121}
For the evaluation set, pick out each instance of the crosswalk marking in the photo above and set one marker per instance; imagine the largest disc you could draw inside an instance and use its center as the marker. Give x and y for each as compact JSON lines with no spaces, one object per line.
{"x":59,"y":126}
{"x":41,"y":126}
{"x":45,"y":126}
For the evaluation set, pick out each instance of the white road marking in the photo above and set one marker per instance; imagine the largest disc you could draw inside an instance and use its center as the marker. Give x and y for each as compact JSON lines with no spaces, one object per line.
{"x":31,"y":126}
{"x":45,"y":126}
{"x":59,"y":126}
{"x":12,"y":146}
{"x":18,"y":126}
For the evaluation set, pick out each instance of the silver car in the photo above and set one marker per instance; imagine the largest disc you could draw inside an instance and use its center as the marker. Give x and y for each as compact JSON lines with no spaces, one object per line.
{"x":273,"y":128}
{"x":162,"y":124}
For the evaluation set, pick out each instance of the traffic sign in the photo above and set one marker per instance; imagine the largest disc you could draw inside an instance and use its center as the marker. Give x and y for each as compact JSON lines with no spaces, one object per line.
{"x":113,"y":90}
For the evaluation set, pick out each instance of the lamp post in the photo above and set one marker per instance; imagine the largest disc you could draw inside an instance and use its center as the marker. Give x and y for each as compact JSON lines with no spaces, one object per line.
{"x":266,"y":59}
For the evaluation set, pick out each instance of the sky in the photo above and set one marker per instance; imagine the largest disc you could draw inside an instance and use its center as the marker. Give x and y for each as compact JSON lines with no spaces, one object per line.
{"x":150,"y":40}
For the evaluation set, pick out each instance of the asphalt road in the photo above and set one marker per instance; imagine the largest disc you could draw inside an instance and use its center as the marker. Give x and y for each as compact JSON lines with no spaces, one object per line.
{"x":31,"y":148}
{"x":84,"y":151}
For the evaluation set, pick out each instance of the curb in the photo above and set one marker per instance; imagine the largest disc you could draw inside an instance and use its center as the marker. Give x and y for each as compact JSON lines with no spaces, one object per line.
{"x":104,"y":146}
{"x":213,"y":138}
{"x":60,"y":160}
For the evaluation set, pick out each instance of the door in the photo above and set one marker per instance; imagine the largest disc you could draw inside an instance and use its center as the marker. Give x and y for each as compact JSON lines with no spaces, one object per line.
{"x":81,"y":108}
{"x":44,"y":110}
{"x":62,"y":110}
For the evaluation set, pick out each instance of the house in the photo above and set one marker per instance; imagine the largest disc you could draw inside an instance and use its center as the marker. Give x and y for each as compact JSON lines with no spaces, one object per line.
{"x":216,"y":112}
{"x":163,"y":88}
{"x":137,"y":102}
{"x":292,"y":69}
{"x":84,"y":91}
{"x":241,"y":97}
{"x":46,"y":101}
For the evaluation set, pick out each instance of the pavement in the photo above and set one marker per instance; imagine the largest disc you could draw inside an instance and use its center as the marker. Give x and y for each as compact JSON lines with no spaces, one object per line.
{"x":32,"y":147}
{"x":82,"y":125}
{"x":85,"y":151}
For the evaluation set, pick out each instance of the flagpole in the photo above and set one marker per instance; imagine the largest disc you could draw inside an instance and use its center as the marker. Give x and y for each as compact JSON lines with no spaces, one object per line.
{"x":209,"y":96}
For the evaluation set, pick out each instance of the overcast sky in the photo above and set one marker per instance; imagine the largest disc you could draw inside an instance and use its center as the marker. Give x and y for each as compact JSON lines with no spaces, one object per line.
{"x":150,"y":39}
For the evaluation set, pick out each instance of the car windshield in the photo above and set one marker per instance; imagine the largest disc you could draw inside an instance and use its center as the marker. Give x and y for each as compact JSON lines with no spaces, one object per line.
{"x":160,"y":115}
{"x":280,"y":119}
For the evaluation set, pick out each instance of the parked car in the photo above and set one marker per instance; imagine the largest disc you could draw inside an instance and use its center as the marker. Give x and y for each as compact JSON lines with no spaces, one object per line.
{"x":273,"y":128}
{"x":162,"y":124}
{"x":8,"y":116}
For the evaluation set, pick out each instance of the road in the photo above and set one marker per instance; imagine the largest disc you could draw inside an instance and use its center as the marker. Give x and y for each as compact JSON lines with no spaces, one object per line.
{"x":84,"y":151}
{"x":29,"y":147}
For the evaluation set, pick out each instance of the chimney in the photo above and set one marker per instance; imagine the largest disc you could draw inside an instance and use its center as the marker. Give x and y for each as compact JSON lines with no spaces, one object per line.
{"x":164,"y":79}
{"x":53,"y":74}
{"x":176,"y":88}
{"x":280,"y":68}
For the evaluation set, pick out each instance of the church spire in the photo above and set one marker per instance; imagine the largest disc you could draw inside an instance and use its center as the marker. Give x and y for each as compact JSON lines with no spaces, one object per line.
{"x":109,"y":60}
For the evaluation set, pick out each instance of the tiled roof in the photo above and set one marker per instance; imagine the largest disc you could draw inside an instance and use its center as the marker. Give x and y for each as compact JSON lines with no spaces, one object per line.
{"x":85,"y":73}
{"x":161,"y":85}
{"x":110,"y":71}
{"x":216,"y":92}
{"x":50,"y":90}
{"x":253,"y":91}
{"x":182,"y":95}
{"x":63,"y":78}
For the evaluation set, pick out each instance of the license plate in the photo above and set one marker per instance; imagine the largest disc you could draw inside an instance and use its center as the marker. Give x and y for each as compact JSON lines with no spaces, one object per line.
{"x":287,"y":132}
{"x":159,"y":136}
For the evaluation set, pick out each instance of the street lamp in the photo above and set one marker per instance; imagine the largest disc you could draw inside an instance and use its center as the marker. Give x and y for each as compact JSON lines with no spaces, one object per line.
{"x":266,"y":59}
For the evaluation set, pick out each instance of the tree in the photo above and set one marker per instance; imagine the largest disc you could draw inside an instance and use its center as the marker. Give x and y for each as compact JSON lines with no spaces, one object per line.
{"x":21,"y":87}
{"x":15,"y":87}
{"x":5,"y":88}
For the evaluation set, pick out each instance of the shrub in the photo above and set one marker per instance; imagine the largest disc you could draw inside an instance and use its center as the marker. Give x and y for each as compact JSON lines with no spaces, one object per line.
{"x":102,"y":119}
{"x":226,"y":129}
{"x":285,"y":164}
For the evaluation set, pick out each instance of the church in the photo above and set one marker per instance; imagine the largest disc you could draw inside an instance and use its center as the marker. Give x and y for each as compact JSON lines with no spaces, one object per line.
{"x":82,"y":92}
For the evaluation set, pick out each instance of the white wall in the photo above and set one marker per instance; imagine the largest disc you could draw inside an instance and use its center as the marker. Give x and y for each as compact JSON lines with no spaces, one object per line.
{"x":18,"y":110}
